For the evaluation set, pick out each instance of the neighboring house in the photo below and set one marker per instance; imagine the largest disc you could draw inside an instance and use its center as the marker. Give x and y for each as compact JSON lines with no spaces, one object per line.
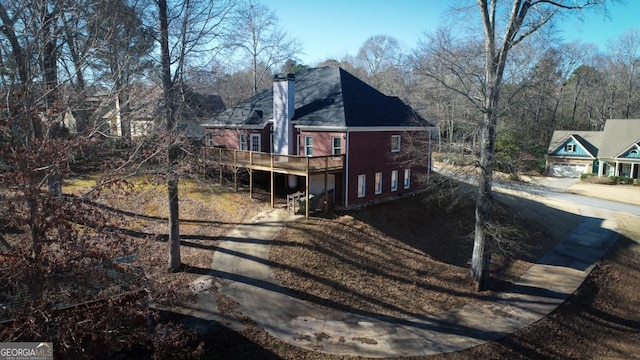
{"x":612,"y":151}
{"x":141,"y":114}
{"x":144,"y":114}
{"x":351,"y":135}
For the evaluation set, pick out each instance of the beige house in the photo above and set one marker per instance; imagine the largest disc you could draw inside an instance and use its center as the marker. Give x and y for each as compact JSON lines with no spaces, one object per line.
{"x":140,"y":114}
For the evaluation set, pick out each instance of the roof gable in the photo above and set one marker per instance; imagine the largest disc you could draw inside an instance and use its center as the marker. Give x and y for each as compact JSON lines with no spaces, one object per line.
{"x":587,"y":141}
{"x":618,"y":136}
{"x":632,"y":152}
{"x":575,"y":146}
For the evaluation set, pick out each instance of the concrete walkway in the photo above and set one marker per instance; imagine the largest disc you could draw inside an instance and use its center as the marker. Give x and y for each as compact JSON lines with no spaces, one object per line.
{"x":242,"y":260}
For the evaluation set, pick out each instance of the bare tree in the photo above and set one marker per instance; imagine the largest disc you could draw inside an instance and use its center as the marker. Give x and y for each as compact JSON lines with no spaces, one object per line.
{"x":626,"y":55}
{"x":504,"y":25}
{"x":186,"y":28}
{"x":379,"y":53}
{"x":257,"y":34}
{"x":524,"y":18}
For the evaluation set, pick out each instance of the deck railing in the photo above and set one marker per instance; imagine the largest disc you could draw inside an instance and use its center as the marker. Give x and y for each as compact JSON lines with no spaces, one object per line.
{"x":260,"y":160}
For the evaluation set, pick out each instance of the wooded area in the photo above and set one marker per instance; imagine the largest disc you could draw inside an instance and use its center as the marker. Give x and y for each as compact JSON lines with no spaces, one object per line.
{"x":74,"y":59}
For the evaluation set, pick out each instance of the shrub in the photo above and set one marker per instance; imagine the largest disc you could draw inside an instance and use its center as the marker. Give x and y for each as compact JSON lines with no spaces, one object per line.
{"x":587,"y":177}
{"x":593,"y":179}
{"x":621,"y":180}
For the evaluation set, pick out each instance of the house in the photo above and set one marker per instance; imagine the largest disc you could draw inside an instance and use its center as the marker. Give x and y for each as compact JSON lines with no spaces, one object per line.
{"x":138,"y":113}
{"x":142,"y":112}
{"x":355,"y":139}
{"x":614,"y":151}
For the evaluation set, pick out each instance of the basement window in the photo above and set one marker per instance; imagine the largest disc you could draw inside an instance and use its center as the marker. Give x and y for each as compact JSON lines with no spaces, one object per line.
{"x":407,"y":178}
{"x":378,"y":178}
{"x":362,"y":179}
{"x":394,"y":180}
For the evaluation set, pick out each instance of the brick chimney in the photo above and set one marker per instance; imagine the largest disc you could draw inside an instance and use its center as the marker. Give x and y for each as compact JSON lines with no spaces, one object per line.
{"x":283,"y":108}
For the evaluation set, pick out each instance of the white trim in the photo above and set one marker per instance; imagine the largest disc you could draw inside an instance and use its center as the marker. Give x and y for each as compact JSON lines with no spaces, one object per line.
{"x":364,"y":128}
{"x":346,"y":172}
{"x":324,"y":128}
{"x":234,"y":126}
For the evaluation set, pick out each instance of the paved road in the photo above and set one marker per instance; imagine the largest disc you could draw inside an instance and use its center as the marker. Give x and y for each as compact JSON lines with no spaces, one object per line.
{"x":557,"y":190}
{"x":553,"y":188}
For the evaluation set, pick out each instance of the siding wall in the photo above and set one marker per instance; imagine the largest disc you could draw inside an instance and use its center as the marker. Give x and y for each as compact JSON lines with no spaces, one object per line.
{"x":370,"y":153}
{"x":321,"y":142}
{"x":230,"y":138}
{"x":579,"y":151}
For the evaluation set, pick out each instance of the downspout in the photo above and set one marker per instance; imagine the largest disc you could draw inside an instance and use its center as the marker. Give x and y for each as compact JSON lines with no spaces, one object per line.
{"x":346,"y":172}
{"x":429,"y":157}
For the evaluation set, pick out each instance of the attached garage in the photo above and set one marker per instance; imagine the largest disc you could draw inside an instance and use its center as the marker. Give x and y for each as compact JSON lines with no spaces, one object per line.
{"x":567,"y":170}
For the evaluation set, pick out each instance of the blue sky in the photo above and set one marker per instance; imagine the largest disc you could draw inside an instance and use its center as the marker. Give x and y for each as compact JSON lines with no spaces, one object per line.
{"x":334,"y":28}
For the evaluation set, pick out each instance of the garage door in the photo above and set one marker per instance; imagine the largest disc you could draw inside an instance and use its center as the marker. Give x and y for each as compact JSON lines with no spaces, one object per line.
{"x":567,"y":170}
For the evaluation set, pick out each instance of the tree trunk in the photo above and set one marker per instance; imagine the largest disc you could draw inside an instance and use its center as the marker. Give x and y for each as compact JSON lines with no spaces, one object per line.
{"x":34,"y":226}
{"x":172,"y":150}
{"x":174,"y":220}
{"x":480,"y":257}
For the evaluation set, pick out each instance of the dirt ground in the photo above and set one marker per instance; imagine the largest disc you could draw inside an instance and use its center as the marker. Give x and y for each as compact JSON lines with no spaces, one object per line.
{"x":398,"y":258}
{"x":353,"y":259}
{"x":409,"y":256}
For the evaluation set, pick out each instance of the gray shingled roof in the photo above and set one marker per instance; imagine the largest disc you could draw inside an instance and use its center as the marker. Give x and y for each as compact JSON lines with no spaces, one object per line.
{"x":589,"y":139}
{"x":617,"y":136}
{"x":326,"y":97}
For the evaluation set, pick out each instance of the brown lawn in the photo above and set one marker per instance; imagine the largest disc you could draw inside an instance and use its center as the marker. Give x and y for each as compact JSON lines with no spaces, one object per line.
{"x":401,"y":257}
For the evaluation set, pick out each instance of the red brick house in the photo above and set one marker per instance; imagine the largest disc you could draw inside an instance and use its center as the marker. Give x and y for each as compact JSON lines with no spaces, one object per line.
{"x":328,"y":116}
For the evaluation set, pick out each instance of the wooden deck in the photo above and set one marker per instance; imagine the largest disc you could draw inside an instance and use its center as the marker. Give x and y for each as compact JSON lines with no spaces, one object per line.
{"x":283,"y":164}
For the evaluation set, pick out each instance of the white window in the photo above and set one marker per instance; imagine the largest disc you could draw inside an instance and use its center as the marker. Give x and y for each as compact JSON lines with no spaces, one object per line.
{"x":336,"y":145}
{"x":272,"y":139}
{"x":362,"y":179}
{"x":242,"y":142}
{"x":209,"y":139}
{"x":407,"y":178}
{"x":298,"y":145}
{"x":394,"y":180}
{"x":570,"y":147}
{"x":255,"y":143}
{"x":308,"y":145}
{"x":378,"y":188}
{"x":395,"y":143}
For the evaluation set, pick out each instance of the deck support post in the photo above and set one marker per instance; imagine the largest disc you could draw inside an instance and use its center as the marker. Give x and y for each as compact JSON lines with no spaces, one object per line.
{"x":235,"y":179}
{"x":250,"y":184}
{"x":273,"y":201}
{"x":308,"y":184}
{"x":326,"y":186}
